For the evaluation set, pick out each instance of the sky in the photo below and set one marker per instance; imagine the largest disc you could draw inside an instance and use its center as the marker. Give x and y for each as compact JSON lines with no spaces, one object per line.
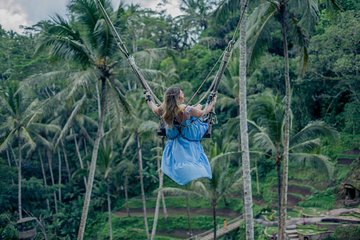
{"x":14,"y":13}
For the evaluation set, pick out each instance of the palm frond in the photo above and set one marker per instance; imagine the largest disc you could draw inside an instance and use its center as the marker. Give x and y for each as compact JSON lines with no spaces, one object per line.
{"x":64,"y":41}
{"x":306,"y":146}
{"x":24,"y":134}
{"x":316,"y":160}
{"x":225,"y":7}
{"x":7,"y":140}
{"x":81,"y":80}
{"x":70,"y":120}
{"x":148,"y":126}
{"x":263,"y":141}
{"x":314,"y":130}
{"x":129,"y":142}
{"x":43,"y":142}
{"x":257,"y":21}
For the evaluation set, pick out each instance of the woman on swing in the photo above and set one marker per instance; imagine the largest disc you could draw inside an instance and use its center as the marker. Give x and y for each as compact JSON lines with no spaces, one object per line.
{"x":183,"y":159}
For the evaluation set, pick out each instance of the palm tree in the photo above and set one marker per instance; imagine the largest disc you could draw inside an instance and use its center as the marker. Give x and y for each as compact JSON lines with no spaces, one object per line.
{"x":87,"y":40}
{"x":126,"y":168}
{"x":223,"y":180}
{"x":107,"y":168}
{"x":297,"y":19}
{"x":242,"y":99}
{"x":195,"y":18}
{"x":249,"y":221}
{"x":138,"y":129}
{"x":268,"y":113}
{"x":21,"y":126}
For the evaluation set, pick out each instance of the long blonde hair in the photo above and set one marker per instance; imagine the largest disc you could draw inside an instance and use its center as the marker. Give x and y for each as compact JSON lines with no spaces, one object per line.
{"x":170,"y":107}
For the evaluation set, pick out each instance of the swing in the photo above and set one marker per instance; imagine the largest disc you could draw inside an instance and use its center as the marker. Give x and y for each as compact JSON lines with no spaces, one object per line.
{"x":211,"y":117}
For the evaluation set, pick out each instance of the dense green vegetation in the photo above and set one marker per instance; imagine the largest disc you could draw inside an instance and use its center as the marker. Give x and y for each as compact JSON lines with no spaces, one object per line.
{"x":65,"y":90}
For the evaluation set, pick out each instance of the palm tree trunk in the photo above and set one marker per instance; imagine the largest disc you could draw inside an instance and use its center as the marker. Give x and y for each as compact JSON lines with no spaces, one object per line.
{"x":85,"y":147}
{"x":44,"y":177}
{"x":249,"y":221}
{"x":50,"y":156}
{"x":59,"y":182}
{"x":126,"y":183}
{"x":160,"y":192}
{"x":19,"y":176}
{"x":257,"y":177}
{"x":89,"y":186}
{"x":79,"y":157}
{"x":66,"y":161}
{"x":109,"y":211}
{"x":156,"y":214}
{"x":213,"y":206}
{"x":142,"y":184}
{"x":9,"y":163}
{"x":166,"y":215}
{"x":279,"y":179}
{"x":285,"y":170}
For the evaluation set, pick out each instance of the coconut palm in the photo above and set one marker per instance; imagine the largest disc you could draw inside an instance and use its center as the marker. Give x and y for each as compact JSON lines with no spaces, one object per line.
{"x":22,"y":126}
{"x":87,"y":40}
{"x":242,"y":101}
{"x":137,"y":130}
{"x":223,"y":181}
{"x":107,"y":168}
{"x":125,"y":169}
{"x":268,"y":128}
{"x":297,"y":20}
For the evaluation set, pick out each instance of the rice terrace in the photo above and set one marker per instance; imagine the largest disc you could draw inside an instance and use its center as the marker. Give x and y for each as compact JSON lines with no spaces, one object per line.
{"x":180,"y":119}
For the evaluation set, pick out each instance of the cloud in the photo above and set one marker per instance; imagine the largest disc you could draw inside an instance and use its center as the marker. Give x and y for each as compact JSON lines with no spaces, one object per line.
{"x":12,"y":15}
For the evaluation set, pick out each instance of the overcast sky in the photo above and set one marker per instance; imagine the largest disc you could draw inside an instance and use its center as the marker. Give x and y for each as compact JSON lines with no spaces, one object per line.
{"x":28,"y":12}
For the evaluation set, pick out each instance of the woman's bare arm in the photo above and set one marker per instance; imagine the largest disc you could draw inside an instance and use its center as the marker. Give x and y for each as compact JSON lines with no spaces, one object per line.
{"x":154,"y":108}
{"x":198,"y":111}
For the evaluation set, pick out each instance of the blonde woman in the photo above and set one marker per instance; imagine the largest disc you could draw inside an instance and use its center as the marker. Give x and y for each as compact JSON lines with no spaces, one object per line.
{"x":183,"y":158}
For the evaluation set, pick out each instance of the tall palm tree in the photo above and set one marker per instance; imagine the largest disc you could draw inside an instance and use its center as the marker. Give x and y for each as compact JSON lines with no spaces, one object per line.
{"x":125,"y":169}
{"x":244,"y":136}
{"x":242,"y":96}
{"x":222,"y":182}
{"x":268,"y":114}
{"x":87,"y":40}
{"x":195,"y":18}
{"x":107,"y":168}
{"x":20,"y":126}
{"x":297,"y":20}
{"x":137,"y":130}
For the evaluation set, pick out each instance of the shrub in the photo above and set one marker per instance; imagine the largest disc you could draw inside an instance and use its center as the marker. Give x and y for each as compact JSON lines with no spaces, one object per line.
{"x":347,"y":233}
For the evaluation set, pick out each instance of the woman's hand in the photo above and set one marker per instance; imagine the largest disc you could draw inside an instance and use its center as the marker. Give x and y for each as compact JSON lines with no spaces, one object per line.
{"x":198,"y":106}
{"x":148,"y":96}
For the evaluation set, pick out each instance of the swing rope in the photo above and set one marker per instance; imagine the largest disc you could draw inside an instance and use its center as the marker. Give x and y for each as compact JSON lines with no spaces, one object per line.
{"x":124,"y":50}
{"x":225,"y":59}
{"x":225,"y":56}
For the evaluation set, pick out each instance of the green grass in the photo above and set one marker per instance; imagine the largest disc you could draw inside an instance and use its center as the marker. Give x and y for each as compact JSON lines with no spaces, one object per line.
{"x":310,"y":229}
{"x":312,"y":212}
{"x":133,"y":227}
{"x":234,"y":204}
{"x":324,"y":200}
{"x":269,"y":231}
{"x":341,"y":172}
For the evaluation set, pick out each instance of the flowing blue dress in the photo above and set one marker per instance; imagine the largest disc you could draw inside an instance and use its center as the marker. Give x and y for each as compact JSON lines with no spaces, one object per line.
{"x":184,"y":159}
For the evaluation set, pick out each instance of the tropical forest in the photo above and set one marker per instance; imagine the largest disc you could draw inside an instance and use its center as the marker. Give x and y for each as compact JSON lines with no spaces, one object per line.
{"x":85,"y":151}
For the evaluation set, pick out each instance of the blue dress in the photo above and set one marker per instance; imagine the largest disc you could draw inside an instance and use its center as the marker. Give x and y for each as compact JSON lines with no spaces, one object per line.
{"x":184,"y":159}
